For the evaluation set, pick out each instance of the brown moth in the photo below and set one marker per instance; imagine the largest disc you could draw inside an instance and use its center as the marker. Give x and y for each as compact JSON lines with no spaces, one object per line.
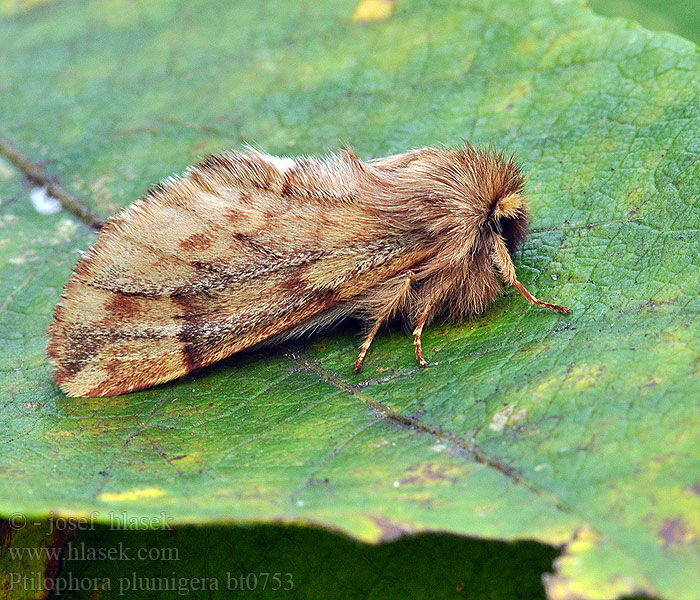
{"x":247,"y":247}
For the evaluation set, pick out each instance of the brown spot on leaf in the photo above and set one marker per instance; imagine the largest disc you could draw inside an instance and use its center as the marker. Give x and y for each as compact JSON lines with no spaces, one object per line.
{"x":675,"y":532}
{"x":425,"y":473}
{"x":391,"y":530}
{"x":653,"y":306}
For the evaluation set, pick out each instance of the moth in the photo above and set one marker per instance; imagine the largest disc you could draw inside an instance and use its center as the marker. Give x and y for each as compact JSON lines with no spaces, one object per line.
{"x":247,"y":248}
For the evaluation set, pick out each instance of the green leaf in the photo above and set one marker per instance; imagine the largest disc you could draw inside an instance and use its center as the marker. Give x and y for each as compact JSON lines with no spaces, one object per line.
{"x":682,"y":18}
{"x":579,"y":430}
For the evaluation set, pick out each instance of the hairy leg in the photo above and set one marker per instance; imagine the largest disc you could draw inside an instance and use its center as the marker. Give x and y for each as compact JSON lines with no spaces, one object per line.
{"x":502,"y":260}
{"x":417,"y":332}
{"x":387,"y":306}
{"x":366,"y":344}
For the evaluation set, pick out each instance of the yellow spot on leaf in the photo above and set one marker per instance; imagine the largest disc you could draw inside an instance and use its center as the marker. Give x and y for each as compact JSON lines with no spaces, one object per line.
{"x":587,"y":559}
{"x":422,"y":474}
{"x":584,"y":376}
{"x":372,"y":10}
{"x":6,"y":171}
{"x":65,"y":229}
{"x":545,"y":384}
{"x":12,"y":7}
{"x":529,"y":45}
{"x":653,"y":381}
{"x":131,"y":495}
{"x":579,"y":377}
{"x":519,"y":92}
{"x":507,"y":416}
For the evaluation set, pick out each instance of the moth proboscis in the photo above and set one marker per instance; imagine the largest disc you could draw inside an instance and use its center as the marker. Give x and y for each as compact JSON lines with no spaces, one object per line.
{"x":246,"y":248}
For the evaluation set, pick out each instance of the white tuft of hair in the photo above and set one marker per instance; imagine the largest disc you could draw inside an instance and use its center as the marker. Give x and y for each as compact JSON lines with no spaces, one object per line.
{"x":43,"y":202}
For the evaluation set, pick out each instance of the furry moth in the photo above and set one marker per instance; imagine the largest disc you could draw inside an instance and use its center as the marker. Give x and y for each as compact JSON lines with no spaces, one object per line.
{"x":247,"y":247}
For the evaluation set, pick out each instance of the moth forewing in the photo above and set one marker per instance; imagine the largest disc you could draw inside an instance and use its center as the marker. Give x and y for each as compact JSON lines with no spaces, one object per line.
{"x":246,"y":248}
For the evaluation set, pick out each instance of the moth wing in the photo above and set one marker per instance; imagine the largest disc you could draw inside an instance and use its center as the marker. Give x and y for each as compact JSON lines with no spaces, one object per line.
{"x":240,"y":249}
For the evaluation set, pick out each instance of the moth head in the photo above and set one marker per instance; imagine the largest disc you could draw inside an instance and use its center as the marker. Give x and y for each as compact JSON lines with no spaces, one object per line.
{"x":493,"y":186}
{"x":509,"y":217}
{"x":481,"y":188}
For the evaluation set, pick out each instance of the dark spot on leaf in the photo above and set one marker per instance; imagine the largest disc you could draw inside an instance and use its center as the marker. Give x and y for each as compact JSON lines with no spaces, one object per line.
{"x":391,"y":530}
{"x":674,"y":532}
{"x":425,"y":473}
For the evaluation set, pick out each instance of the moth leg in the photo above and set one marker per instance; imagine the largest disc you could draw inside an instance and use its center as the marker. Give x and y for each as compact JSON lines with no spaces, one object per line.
{"x":417,"y":332}
{"x":523,"y":290}
{"x":365,"y":346}
{"x":390,"y":301}
{"x":501,"y":258}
